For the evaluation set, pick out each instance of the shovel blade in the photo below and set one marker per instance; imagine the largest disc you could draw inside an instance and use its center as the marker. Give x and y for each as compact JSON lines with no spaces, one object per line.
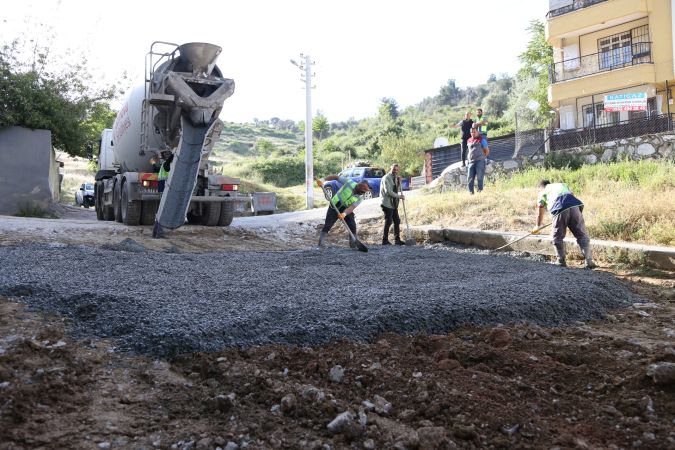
{"x":361,"y":247}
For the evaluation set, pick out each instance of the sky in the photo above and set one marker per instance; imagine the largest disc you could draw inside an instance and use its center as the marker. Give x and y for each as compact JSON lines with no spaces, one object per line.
{"x":363,"y":50}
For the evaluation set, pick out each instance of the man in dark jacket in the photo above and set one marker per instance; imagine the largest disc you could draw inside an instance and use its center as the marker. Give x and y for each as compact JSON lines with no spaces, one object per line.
{"x":390,"y":187}
{"x":465,"y":125}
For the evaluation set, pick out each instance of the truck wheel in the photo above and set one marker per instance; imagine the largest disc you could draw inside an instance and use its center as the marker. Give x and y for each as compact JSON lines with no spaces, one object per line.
{"x":148,"y":212}
{"x":117,"y":202}
{"x":130,"y":209}
{"x":98,"y":202}
{"x":210,"y":214}
{"x":226,"y":214}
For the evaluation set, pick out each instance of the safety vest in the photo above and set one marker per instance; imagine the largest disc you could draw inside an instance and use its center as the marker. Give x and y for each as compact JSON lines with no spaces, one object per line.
{"x":345,"y":196}
{"x":163,"y":173}
{"x":483,"y":128}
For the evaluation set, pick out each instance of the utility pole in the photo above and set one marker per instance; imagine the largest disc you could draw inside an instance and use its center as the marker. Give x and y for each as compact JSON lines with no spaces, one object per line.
{"x":306,"y":67}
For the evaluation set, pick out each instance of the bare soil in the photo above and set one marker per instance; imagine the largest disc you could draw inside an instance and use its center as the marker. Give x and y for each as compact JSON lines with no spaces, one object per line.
{"x":591,"y":385}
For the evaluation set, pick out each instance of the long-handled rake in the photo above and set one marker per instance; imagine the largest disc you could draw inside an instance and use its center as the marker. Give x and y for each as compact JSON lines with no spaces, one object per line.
{"x":521,"y":238}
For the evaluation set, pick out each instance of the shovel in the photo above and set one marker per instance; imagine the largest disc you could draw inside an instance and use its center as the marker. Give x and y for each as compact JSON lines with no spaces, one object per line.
{"x":358,"y":243}
{"x":521,"y":238}
{"x":409,"y":240}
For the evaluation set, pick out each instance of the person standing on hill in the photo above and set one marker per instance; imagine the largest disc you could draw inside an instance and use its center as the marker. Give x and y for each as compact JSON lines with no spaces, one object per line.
{"x":465,"y":124}
{"x":477,"y":156}
{"x":482,"y":123}
{"x":567,"y":213}
{"x":390,"y":193}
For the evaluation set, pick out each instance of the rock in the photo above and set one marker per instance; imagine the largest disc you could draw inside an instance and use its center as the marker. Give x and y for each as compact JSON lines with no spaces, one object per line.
{"x":431,"y":438}
{"x":606,"y":156}
{"x":646,"y":149}
{"x":448,"y":364}
{"x":222,"y":403}
{"x":309,"y":392}
{"x":499,"y":337}
{"x":205,"y":444}
{"x":288,"y":404}
{"x":510,"y":164}
{"x":369,"y":444}
{"x":336,"y":374}
{"x":340,"y":422}
{"x":464,"y":432}
{"x":662,"y":373}
{"x":231,"y":446}
{"x":591,"y":159}
{"x":368,"y":406}
{"x":382,"y":406}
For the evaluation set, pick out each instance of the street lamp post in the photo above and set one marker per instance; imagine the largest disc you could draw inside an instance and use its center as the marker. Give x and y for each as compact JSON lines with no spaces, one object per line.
{"x":306,"y":66}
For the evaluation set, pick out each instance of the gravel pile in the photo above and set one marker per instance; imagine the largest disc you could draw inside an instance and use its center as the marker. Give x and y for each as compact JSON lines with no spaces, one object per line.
{"x":164,"y":304}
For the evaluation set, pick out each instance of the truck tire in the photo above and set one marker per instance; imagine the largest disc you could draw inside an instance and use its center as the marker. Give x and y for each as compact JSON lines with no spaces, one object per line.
{"x":226,"y":214}
{"x":210,"y":214}
{"x":148,"y":212}
{"x":117,"y":202}
{"x":98,"y":203}
{"x":130,"y":209}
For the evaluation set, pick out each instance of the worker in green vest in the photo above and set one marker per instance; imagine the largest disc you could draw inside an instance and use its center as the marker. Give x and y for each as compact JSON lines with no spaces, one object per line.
{"x":345,"y":200}
{"x":162,"y":176}
{"x":481,"y":122}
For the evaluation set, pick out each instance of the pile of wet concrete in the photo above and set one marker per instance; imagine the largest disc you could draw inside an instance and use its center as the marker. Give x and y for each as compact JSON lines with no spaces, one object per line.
{"x":167,"y":303}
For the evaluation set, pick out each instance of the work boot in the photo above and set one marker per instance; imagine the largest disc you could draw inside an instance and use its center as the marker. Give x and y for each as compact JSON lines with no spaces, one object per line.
{"x":322,"y":239}
{"x":386,"y":242}
{"x":560,"y":254}
{"x":586,"y":249}
{"x":399,"y":242}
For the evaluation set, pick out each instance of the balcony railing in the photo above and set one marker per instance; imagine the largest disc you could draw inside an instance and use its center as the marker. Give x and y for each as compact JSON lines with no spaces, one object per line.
{"x":618,"y":58}
{"x":573,"y":6}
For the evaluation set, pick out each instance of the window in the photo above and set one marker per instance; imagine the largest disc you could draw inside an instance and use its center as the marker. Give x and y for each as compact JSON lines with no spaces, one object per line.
{"x":600,"y":118}
{"x":615,"y":50}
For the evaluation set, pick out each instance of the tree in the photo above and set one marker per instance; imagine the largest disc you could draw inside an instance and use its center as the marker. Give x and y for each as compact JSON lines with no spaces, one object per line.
{"x":450,"y":94}
{"x":320,"y":126}
{"x":35,"y":94}
{"x":535,"y":61}
{"x":388,"y":109}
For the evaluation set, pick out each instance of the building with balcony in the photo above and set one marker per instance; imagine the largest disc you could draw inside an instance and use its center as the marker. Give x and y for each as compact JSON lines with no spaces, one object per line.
{"x":613,"y":68}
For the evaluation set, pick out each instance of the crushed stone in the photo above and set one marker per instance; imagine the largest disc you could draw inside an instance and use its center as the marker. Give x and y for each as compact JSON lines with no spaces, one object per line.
{"x":165,"y":304}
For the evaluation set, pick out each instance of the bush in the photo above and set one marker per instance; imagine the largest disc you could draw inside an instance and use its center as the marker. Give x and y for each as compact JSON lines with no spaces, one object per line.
{"x":562,"y":160}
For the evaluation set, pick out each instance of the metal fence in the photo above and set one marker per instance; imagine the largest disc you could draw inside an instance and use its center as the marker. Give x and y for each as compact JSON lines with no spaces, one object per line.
{"x":630,"y":55}
{"x":573,"y":6}
{"x":562,"y":139}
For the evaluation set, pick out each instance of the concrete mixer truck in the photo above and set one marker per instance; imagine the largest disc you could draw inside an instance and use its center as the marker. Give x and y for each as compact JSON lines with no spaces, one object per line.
{"x":175,"y":112}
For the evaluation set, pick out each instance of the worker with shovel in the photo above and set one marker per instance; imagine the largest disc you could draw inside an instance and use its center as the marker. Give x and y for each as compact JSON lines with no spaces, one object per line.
{"x":342,"y":206}
{"x":390,"y":193}
{"x":567,"y":213}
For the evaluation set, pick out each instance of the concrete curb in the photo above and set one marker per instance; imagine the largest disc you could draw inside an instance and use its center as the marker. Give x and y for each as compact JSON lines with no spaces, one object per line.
{"x":637,"y":254}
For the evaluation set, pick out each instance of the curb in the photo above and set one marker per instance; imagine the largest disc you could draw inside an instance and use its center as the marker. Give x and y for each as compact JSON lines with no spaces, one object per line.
{"x":625,"y":252}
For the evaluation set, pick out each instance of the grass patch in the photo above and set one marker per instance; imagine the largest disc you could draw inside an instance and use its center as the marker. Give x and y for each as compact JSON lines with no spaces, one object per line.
{"x":624,"y":201}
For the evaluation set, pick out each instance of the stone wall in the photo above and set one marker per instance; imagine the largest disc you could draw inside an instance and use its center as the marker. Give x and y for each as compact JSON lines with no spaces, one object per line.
{"x":652,"y":146}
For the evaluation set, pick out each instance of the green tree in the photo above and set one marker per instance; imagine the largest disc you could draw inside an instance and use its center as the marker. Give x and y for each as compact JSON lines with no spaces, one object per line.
{"x":320,"y":126}
{"x":388,"y":109}
{"x":35,"y":94}
{"x":450,"y":94}
{"x":404,"y":150}
{"x":535,"y":61}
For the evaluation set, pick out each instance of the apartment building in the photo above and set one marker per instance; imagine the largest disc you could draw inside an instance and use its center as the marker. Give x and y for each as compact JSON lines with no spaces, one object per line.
{"x":613,"y":65}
